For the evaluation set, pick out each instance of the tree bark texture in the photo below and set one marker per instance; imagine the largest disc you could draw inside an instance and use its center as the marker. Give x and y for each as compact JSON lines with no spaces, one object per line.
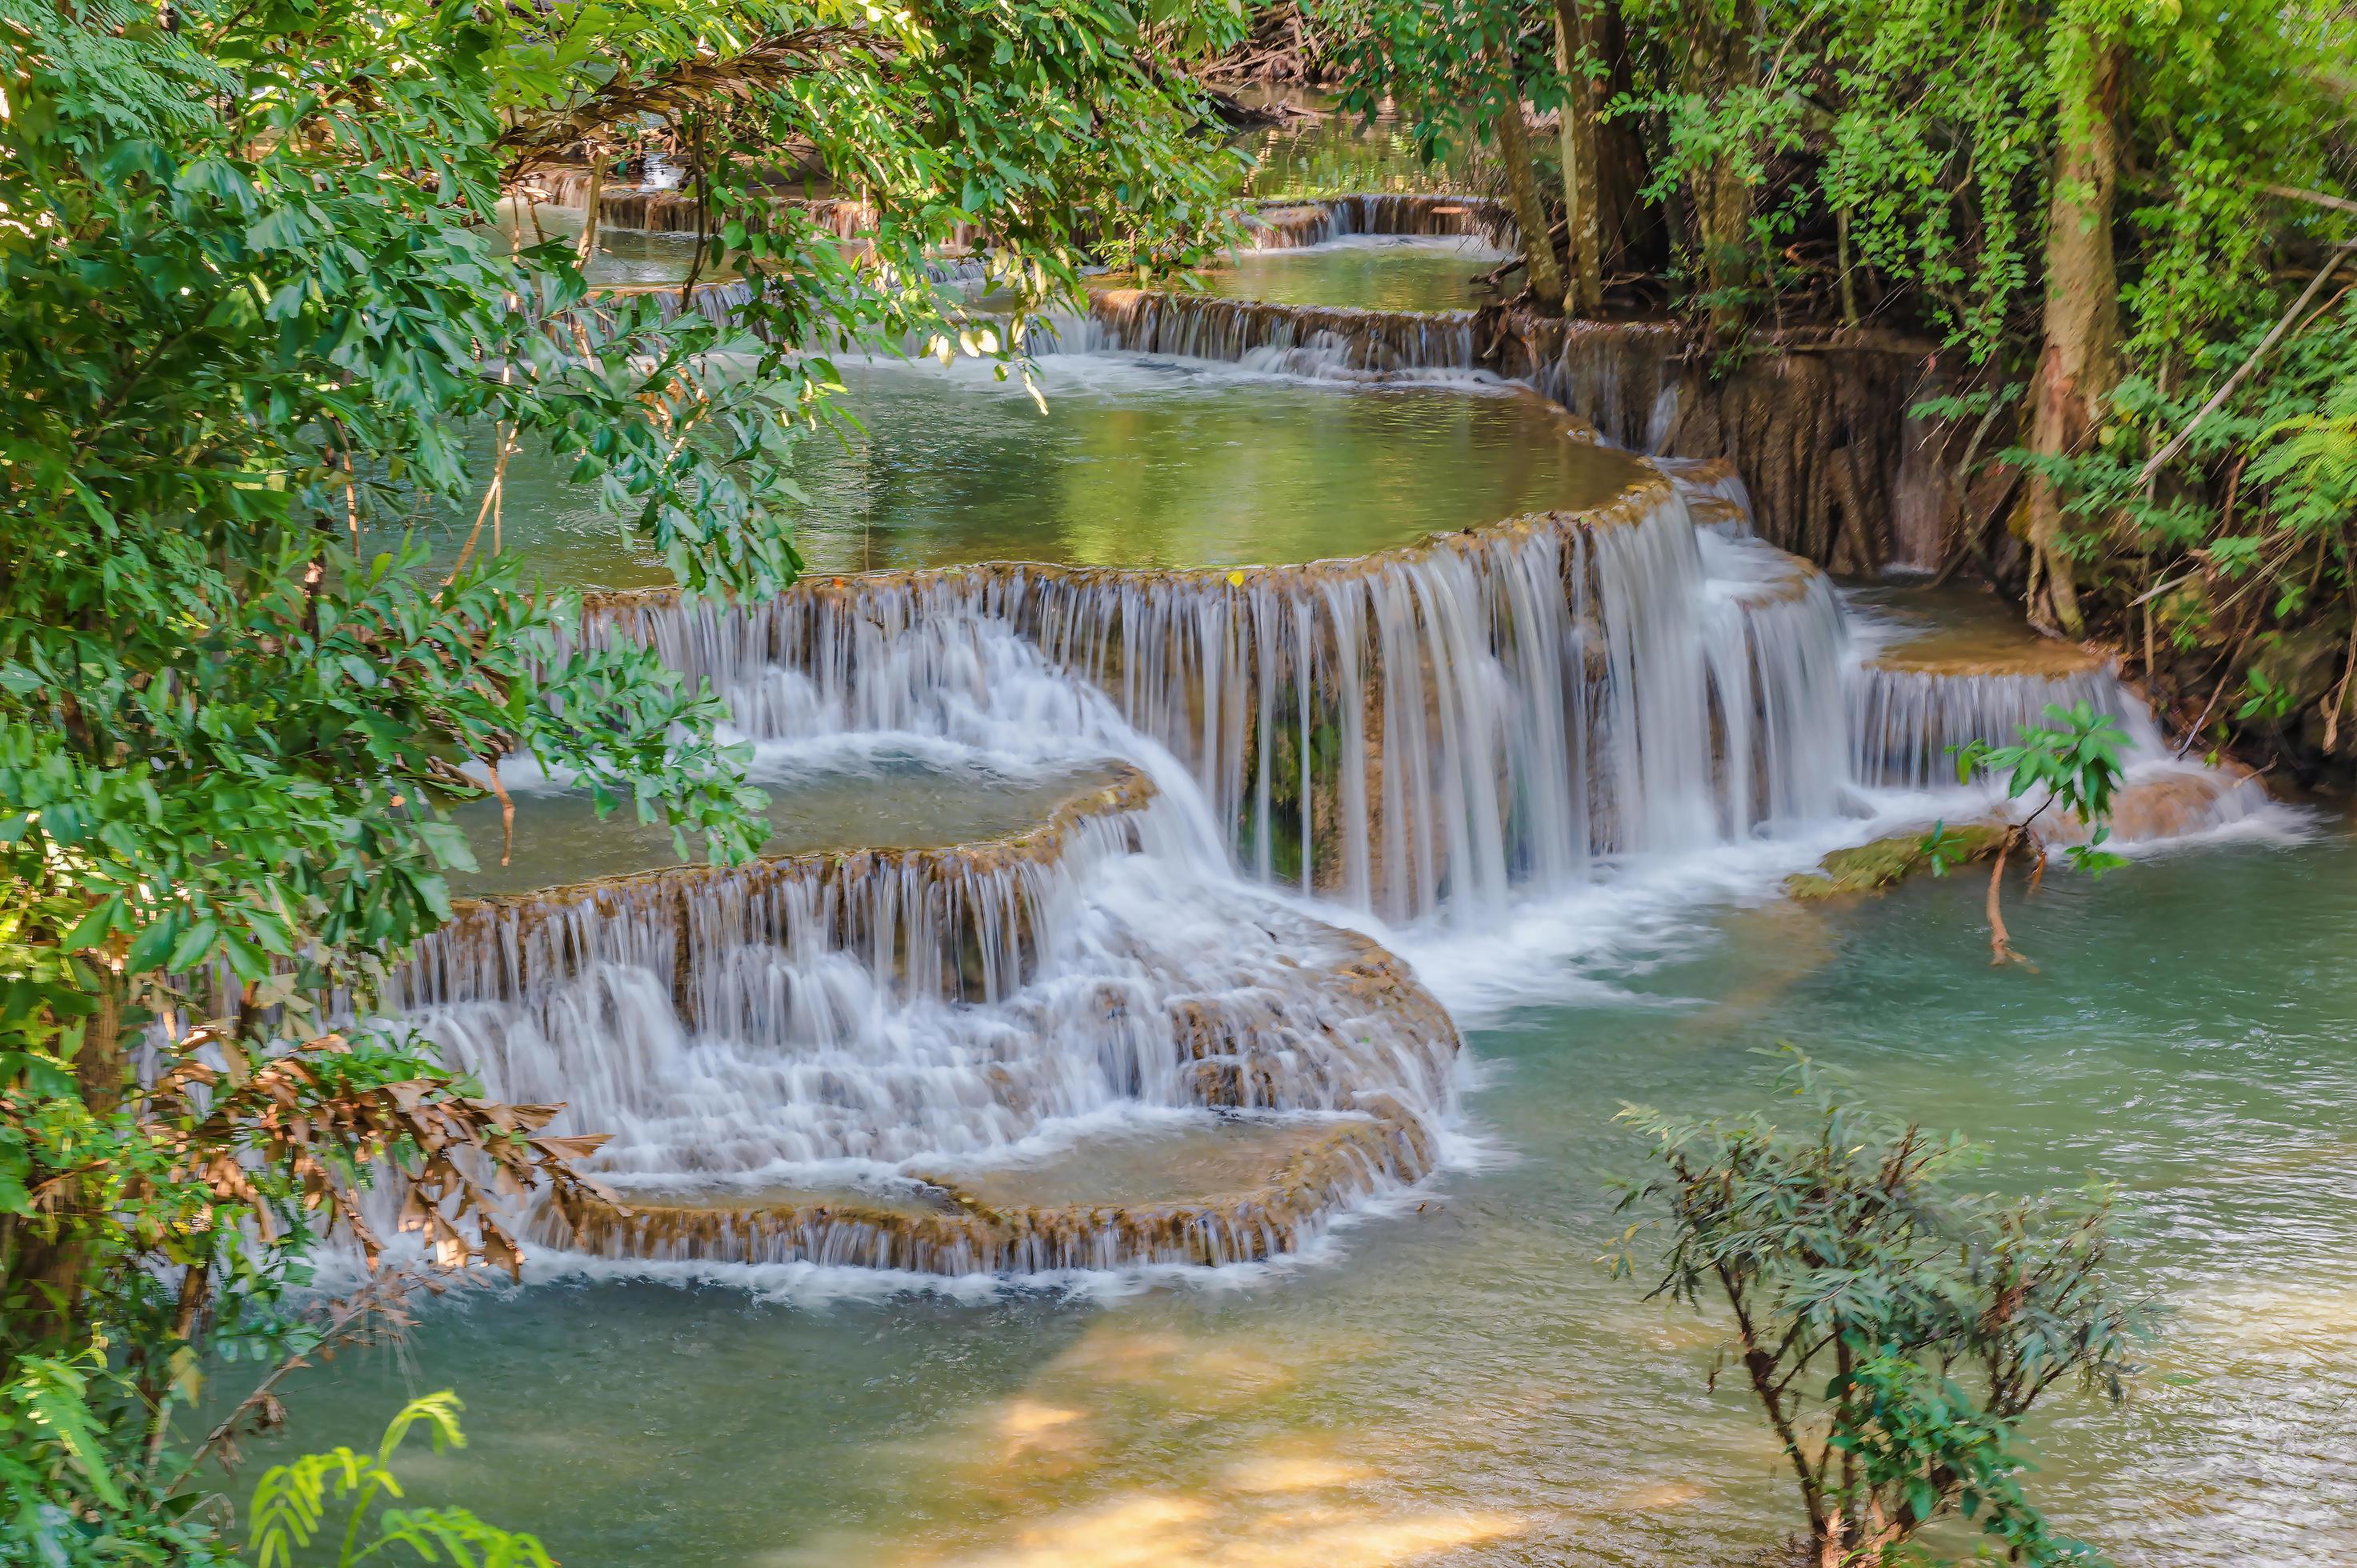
{"x":1718,"y":58}
{"x":1582,"y":190}
{"x":1522,"y":184}
{"x":586,"y":246}
{"x":2080,"y":360}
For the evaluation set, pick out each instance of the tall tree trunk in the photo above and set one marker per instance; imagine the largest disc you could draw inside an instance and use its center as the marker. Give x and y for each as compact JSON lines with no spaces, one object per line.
{"x":1634,"y":238}
{"x":1718,"y":58}
{"x":1582,"y":190}
{"x":58,"y":1269}
{"x":2079,"y":360}
{"x":1522,"y":184}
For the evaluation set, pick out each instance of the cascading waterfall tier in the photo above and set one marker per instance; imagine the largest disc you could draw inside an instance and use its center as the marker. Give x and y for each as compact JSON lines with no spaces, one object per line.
{"x":961,"y":923}
{"x":1840,"y":469}
{"x":1289,"y":1173}
{"x":674,"y":209}
{"x":1415,"y":733}
{"x":1917,"y":696}
{"x":1294,"y":223}
{"x":1906,"y":722}
{"x":1332,"y":342}
{"x":853,"y":1058}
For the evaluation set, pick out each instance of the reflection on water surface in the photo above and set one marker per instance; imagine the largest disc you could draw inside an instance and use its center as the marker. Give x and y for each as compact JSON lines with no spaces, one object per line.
{"x":1134,"y":463}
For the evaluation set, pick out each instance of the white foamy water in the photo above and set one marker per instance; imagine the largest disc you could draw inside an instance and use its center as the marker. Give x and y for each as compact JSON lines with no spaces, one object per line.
{"x":1528,"y":758}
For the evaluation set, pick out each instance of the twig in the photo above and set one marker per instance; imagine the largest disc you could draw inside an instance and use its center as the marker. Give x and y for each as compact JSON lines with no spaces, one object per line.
{"x":2161,"y":459}
{"x":2194,"y":734}
{"x":491,"y":499}
{"x":380,"y":1305}
{"x":1971,"y":542}
{"x":2340,"y":693}
{"x":507,"y":810}
{"x":2313,"y":197}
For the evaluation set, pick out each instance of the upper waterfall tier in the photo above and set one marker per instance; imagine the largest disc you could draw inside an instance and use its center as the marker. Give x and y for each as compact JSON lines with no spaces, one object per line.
{"x":1132,"y":464}
{"x":1325,"y":342}
{"x":1414,"y":731}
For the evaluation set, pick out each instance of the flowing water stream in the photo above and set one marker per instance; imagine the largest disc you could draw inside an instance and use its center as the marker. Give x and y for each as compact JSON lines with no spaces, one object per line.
{"x":1061,"y":1150}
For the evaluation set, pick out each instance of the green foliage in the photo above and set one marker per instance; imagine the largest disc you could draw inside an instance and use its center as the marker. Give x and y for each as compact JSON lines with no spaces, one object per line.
{"x":2075,"y":763}
{"x":292,"y":1503}
{"x":1894,"y":1326}
{"x":253,"y":311}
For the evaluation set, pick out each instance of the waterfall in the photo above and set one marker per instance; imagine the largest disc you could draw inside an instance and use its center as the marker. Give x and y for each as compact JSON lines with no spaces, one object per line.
{"x":1292,"y":223}
{"x":1416,"y":733}
{"x":883,"y":1057}
{"x":1328,"y":343}
{"x":773,"y":1048}
{"x":1904,"y":724}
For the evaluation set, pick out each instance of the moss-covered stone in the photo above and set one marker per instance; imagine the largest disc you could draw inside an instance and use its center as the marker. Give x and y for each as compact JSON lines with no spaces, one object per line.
{"x":1870,"y":868}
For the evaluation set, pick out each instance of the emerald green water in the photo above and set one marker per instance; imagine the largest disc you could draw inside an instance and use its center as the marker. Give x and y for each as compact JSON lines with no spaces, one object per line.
{"x":1133,"y":463}
{"x":1459,"y":1383}
{"x":1375,"y":272}
{"x":623,"y":255}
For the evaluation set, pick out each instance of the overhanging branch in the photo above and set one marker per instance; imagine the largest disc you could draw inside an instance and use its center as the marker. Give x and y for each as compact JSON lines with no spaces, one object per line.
{"x":683,"y":88}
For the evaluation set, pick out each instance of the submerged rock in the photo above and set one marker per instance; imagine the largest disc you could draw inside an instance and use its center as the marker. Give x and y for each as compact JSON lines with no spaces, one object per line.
{"x":1871,"y":867}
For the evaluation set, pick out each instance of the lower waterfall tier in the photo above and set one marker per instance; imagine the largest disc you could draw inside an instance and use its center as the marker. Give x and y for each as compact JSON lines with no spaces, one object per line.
{"x":985,"y":1026}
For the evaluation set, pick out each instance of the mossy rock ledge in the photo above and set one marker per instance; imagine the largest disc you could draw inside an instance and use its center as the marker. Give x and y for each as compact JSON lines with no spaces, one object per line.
{"x":1871,"y":867}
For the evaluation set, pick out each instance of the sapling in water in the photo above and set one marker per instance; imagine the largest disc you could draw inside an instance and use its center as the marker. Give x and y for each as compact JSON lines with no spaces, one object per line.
{"x":2076,"y":764}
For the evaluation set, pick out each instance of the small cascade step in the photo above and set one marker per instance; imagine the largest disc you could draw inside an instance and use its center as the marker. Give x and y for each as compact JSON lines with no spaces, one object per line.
{"x":949,"y":921}
{"x":1944,"y":667}
{"x":880,"y":801}
{"x":1218,"y":1191}
{"x":1288,"y":223}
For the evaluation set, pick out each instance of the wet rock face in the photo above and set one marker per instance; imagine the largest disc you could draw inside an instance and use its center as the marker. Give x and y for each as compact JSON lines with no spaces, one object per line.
{"x":955,"y":1233}
{"x":1837,"y":470}
{"x":2168,"y":805}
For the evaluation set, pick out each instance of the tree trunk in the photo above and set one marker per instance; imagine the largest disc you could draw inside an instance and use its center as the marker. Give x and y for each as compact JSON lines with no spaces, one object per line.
{"x":1582,"y":190}
{"x":1634,"y":238}
{"x":1717,"y":59}
{"x":589,"y":244}
{"x":1723,"y":222}
{"x":59,"y":1267}
{"x":2079,"y":362}
{"x":1523,"y":185}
